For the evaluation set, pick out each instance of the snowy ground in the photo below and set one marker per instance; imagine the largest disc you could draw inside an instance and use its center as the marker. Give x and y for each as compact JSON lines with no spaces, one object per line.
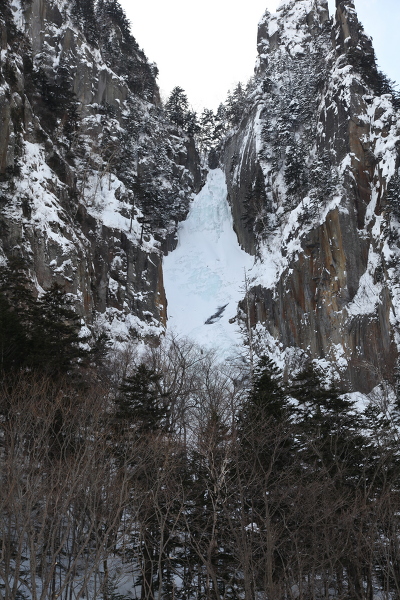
{"x":204,"y":276}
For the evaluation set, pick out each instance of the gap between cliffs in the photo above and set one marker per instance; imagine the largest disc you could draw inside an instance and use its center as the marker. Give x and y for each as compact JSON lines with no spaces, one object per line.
{"x":204,"y":275}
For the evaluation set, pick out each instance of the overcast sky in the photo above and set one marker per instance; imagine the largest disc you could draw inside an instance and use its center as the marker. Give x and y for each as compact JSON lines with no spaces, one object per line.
{"x":208,"y":46}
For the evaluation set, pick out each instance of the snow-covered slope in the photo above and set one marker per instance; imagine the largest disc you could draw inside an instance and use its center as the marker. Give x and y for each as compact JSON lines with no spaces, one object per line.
{"x":204,"y":277}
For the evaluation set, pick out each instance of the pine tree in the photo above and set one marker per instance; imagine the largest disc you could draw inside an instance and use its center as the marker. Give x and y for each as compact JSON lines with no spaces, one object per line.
{"x":177,"y":106}
{"x":83,"y":12}
{"x":330,"y":429}
{"x":148,"y":196}
{"x":207,"y":124}
{"x":213,"y":159}
{"x":16,"y":316}
{"x":221,"y":124}
{"x":58,"y":100}
{"x":267,"y":398}
{"x":57,"y":346}
{"x":191,"y":123}
{"x":365,"y":63}
{"x":265,"y":413}
{"x":393,"y":196}
{"x":121,"y":51}
{"x":295,"y":170}
{"x":235,"y":105}
{"x":141,"y":421}
{"x":140,"y":404}
{"x":265,"y":464}
{"x":67,"y":102}
{"x":37,"y":334}
{"x":114,"y":10}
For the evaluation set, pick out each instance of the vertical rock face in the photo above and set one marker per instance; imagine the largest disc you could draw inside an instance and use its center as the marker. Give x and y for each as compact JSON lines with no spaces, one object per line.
{"x":93,"y":178}
{"x":311,"y":163}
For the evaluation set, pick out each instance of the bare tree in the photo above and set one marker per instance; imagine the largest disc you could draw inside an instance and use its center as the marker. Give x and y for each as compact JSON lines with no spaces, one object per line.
{"x":62,"y":497}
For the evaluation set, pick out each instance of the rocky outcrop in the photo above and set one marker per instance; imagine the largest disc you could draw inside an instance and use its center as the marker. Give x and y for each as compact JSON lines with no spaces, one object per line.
{"x":93,"y":177}
{"x":321,"y":134}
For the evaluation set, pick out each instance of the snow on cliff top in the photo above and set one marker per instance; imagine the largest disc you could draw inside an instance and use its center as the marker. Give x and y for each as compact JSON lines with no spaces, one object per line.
{"x":292,"y":21}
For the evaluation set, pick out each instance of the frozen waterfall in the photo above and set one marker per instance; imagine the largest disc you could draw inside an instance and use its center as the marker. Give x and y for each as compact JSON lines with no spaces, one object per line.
{"x":204,"y":276}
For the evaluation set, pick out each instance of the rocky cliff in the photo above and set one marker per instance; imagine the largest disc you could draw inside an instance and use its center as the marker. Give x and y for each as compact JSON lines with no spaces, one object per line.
{"x":93,"y":177}
{"x":312,"y":173}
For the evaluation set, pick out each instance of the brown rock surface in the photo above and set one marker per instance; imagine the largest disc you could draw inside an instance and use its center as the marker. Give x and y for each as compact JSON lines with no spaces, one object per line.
{"x":326,"y":300}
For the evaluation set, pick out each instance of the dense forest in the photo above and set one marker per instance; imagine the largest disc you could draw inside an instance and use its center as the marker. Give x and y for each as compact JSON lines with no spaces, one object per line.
{"x":169,"y":475}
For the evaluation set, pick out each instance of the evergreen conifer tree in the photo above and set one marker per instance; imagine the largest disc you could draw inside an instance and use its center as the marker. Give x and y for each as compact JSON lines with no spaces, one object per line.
{"x":177,"y":106}
{"x":213,"y":159}
{"x":295,"y":172}
{"x":121,"y":51}
{"x":16,"y":316}
{"x":83,"y":11}
{"x":141,"y":420}
{"x":37,"y":334}
{"x":57,"y":346}
{"x":265,"y":416}
{"x":206,"y":522}
{"x":207,"y":124}
{"x":191,"y":123}
{"x":393,"y":196}
{"x":267,"y":398}
{"x":221,"y":123}
{"x":235,"y":105}
{"x":114,"y":10}
{"x":329,"y":427}
{"x":266,"y":447}
{"x":140,"y":404}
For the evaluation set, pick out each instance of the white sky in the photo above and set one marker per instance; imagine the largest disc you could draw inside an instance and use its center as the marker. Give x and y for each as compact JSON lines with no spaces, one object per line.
{"x":207,"y":46}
